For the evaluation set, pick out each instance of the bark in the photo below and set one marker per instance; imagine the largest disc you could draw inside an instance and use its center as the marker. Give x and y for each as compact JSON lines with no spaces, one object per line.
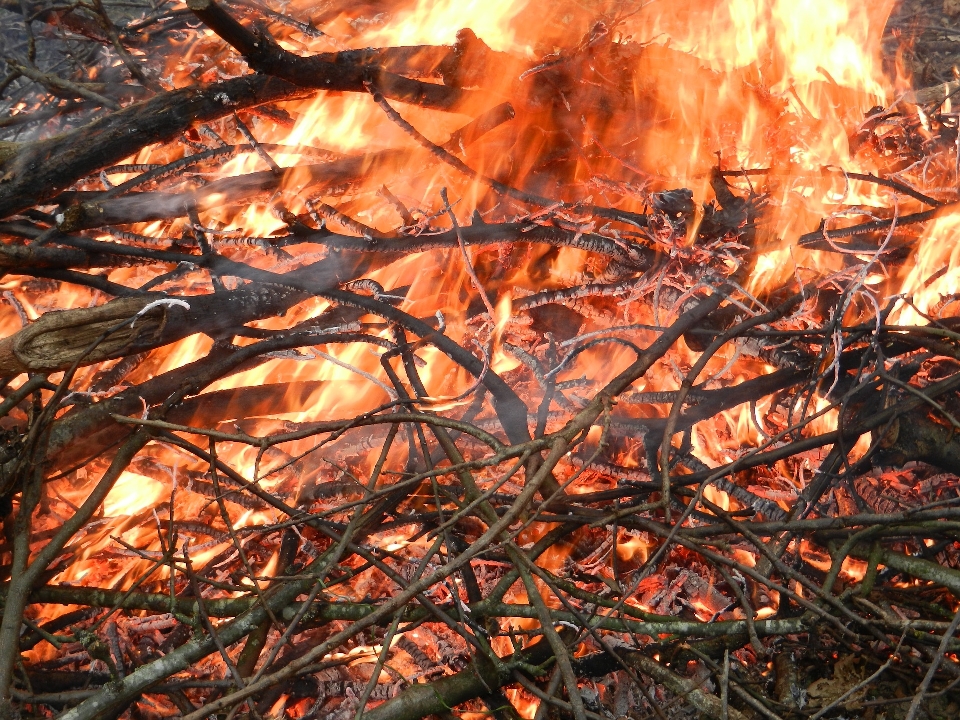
{"x":703,"y":701}
{"x":922,"y":435}
{"x":132,"y":325}
{"x":440,"y":696}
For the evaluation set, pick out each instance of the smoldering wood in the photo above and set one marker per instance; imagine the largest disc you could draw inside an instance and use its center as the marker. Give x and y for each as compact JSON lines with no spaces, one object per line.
{"x":265,"y":55}
{"x":79,"y":213}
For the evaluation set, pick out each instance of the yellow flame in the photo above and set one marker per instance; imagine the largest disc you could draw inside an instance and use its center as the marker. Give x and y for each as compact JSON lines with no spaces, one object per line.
{"x":131,"y":494}
{"x":436,"y":22}
{"x":935,"y":273}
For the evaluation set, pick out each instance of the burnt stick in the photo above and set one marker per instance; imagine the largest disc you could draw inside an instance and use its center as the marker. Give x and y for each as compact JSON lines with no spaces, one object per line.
{"x":146,"y":206}
{"x":107,"y":209}
{"x":877,"y":226}
{"x":635,"y":255}
{"x":87,"y":432}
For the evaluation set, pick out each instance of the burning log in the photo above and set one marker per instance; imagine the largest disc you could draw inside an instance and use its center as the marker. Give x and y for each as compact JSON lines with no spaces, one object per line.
{"x":318,"y":399}
{"x":131,"y":325}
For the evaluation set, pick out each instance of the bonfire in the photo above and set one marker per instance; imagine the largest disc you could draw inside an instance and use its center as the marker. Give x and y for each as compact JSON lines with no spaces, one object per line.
{"x":400,"y":360}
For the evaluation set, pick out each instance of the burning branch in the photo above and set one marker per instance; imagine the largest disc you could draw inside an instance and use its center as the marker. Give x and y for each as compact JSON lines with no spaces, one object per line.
{"x":434,"y":416}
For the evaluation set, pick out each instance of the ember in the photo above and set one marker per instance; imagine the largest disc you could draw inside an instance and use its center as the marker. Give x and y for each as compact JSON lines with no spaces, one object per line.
{"x":458,"y":359}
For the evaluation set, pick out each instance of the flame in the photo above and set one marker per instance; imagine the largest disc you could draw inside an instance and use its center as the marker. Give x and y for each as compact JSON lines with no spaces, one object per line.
{"x":816,"y":61}
{"x":634,"y":547}
{"x":525,"y":704}
{"x":717,"y":497}
{"x":808,"y":53}
{"x":436,"y":22}
{"x":771,"y":84}
{"x":932,"y":281}
{"x":781,"y":85}
{"x":131,"y":494}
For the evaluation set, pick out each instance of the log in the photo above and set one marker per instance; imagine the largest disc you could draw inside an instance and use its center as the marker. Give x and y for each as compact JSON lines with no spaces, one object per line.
{"x":130,"y":325}
{"x":935,"y":94}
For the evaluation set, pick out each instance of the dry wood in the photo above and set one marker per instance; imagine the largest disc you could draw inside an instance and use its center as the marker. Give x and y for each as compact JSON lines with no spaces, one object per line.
{"x":130,"y":325}
{"x":539,"y":494}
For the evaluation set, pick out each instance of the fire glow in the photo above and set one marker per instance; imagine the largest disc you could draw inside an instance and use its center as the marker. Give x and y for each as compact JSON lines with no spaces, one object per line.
{"x":782,"y":85}
{"x":653,"y":154}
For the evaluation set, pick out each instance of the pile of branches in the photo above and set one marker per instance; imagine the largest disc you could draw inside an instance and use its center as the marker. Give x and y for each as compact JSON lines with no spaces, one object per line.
{"x":550,"y":533}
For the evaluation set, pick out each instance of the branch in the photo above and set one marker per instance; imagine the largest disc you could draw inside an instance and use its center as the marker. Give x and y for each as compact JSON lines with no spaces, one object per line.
{"x":41,"y":169}
{"x":264,"y":55}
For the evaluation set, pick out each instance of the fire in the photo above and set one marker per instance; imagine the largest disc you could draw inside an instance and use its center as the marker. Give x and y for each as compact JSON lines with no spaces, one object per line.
{"x":433,"y":22}
{"x":767,"y":83}
{"x":788,"y":81}
{"x":634,"y":547}
{"x":934,"y":277}
{"x":526,"y":705}
{"x":133,"y":493}
{"x":769,"y":87}
{"x":809,"y":55}
{"x":751,"y":66}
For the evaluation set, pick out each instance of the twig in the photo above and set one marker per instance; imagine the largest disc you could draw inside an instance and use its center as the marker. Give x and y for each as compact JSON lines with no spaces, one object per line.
{"x":932,"y":670}
{"x":52,"y":81}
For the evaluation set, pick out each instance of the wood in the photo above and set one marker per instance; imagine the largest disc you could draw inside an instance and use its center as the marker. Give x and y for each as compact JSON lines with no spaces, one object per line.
{"x":326,"y":72}
{"x":335,"y":482}
{"x":130,"y":325}
{"x":933,"y":94}
{"x":88,"y":335}
{"x":41,"y":169}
